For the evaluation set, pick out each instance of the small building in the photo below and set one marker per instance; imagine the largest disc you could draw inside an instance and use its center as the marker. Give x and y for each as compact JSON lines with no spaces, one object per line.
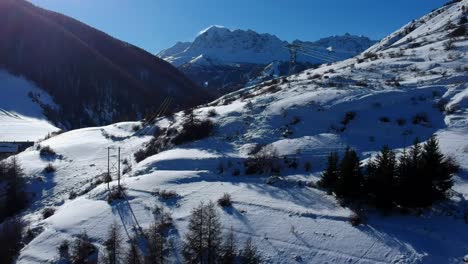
{"x":11,"y":148}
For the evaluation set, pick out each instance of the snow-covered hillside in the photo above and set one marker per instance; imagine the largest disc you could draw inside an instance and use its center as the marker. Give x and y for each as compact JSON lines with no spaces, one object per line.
{"x":398,"y":91}
{"x":21,"y":114}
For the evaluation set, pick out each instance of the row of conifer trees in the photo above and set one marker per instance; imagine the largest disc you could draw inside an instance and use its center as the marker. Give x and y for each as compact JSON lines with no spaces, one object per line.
{"x":204,"y":243}
{"x":417,"y":177}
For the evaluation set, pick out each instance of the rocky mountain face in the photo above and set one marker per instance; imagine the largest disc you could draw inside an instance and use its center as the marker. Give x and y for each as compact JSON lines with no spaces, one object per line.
{"x":94,"y":78}
{"x":225,"y":60}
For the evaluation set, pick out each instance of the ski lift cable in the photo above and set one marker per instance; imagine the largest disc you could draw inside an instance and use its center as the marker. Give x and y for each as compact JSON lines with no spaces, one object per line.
{"x":319,"y":53}
{"x":315,"y":56}
{"x":318,"y":48}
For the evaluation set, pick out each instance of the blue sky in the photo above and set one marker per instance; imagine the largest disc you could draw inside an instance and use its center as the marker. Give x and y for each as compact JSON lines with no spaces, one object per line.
{"x":158,"y":24}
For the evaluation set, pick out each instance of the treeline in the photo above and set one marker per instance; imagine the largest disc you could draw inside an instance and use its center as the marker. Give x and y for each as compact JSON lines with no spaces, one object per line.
{"x":13,"y":199}
{"x":12,"y":195}
{"x":203,"y":243}
{"x":417,"y":178}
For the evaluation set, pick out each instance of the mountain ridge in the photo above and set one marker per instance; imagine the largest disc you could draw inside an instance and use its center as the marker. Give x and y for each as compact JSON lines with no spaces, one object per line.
{"x":131,"y":83}
{"x":224,"y":60}
{"x":216,"y":42}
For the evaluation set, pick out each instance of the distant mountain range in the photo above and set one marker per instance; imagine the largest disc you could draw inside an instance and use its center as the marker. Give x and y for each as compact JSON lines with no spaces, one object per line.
{"x":225,"y":60}
{"x":93,"y":78}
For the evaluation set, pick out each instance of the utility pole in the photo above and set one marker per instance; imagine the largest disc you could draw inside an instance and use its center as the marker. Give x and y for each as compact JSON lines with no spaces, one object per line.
{"x":108,"y":167}
{"x":118,"y":169}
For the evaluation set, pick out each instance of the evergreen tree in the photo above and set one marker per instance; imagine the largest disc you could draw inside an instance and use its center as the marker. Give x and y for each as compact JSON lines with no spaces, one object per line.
{"x":349,"y":183}
{"x":82,"y":249}
{"x":157,"y":243}
{"x":213,"y":232}
{"x":203,"y":240}
{"x":331,"y":174}
{"x":11,"y":232}
{"x":419,"y":186}
{"x":16,"y":199}
{"x":404,"y":179}
{"x":113,"y":245}
{"x":133,"y":255}
{"x":249,"y":254}
{"x":194,"y":240}
{"x":382,"y":178}
{"x":228,"y":250}
{"x":437,"y":170}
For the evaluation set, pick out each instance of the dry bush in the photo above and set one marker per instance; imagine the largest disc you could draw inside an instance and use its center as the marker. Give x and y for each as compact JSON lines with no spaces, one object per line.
{"x":225,"y":200}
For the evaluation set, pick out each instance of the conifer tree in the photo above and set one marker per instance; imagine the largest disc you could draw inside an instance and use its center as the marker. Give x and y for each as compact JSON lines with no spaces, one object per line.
{"x":194,"y":240}
{"x":437,"y":169}
{"x":404,"y":179}
{"x":228,"y":250}
{"x":16,"y":199}
{"x":249,"y":254}
{"x":331,"y":173}
{"x":213,"y":232}
{"x":133,"y":255}
{"x":113,"y":245}
{"x":382,"y":178}
{"x":203,"y":240}
{"x":349,"y":183}
{"x":157,"y":243}
{"x":82,"y":249}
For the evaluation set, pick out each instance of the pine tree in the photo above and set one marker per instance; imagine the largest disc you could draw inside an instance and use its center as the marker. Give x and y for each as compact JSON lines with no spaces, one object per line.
{"x":228,"y":250}
{"x":330,"y":176}
{"x":11,"y":239}
{"x":437,"y":169}
{"x":16,"y":199}
{"x":213,"y":232}
{"x":350,"y":180}
{"x":419,"y":185}
{"x":194,"y":240}
{"x":157,"y":243}
{"x":382,"y":178}
{"x":404,"y":179}
{"x":133,"y":255}
{"x":82,"y":249}
{"x":203,"y":240}
{"x":249,"y":254}
{"x":113,"y":245}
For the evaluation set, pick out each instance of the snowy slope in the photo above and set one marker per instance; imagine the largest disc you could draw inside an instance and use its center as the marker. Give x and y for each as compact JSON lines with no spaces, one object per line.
{"x":302,"y":117}
{"x":21,"y":116}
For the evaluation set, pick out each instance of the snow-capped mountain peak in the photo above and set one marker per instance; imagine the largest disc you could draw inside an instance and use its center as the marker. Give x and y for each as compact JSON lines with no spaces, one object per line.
{"x":248,"y":46}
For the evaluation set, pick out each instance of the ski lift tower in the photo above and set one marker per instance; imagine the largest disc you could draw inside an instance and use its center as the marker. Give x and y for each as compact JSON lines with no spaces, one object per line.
{"x":292,"y":56}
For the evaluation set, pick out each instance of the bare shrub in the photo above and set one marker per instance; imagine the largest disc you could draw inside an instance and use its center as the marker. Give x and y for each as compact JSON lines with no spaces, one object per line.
{"x":449,"y":45}
{"x":225,"y":200}
{"x":192,"y":131}
{"x":49,"y":168}
{"x":350,"y":115}
{"x":384,"y":119}
{"x":266,"y":160}
{"x":48,"y":212}
{"x":420,"y":118}
{"x":355,"y":219}
{"x":459,"y":32}
{"x":212,"y":113}
{"x":46,"y":152}
{"x":401,"y":121}
{"x":116,"y":193}
{"x":166,"y":194}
